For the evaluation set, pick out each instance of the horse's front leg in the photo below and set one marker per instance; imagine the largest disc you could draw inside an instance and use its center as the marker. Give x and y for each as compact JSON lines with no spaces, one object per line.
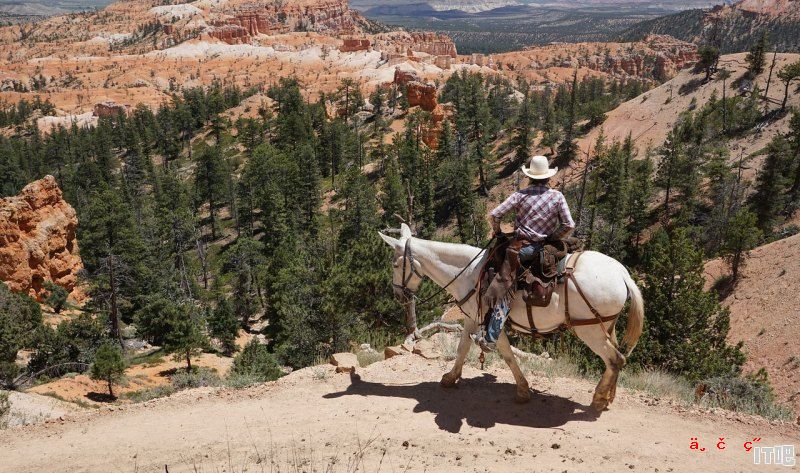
{"x":523,"y":390}
{"x":450,"y":378}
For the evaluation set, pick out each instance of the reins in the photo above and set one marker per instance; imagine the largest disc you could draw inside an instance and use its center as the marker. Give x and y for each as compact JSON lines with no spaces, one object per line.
{"x":408,"y":259}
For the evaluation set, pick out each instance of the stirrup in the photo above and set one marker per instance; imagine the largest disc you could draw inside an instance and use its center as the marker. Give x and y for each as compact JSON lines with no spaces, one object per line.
{"x":480,"y":340}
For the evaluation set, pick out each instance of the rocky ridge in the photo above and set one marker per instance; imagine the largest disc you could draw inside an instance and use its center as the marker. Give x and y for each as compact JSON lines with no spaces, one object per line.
{"x":655,"y":59}
{"x":733,"y":26}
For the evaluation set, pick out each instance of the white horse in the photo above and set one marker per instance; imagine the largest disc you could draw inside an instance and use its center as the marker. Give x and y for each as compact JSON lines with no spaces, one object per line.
{"x":605,"y":283}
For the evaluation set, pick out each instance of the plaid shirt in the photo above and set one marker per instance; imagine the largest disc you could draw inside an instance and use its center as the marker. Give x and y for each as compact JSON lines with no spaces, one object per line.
{"x":540,"y":212}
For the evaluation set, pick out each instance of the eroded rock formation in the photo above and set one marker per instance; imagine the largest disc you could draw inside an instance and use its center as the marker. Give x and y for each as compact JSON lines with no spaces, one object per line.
{"x":37,"y":239}
{"x":403,"y":45}
{"x":241,"y":21}
{"x":109,"y":109}
{"x":421,"y":95}
{"x":353,"y":44}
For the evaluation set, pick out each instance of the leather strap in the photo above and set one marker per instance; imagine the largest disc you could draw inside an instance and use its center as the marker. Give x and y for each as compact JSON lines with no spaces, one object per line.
{"x":467,"y":297}
{"x":529,"y":309}
{"x":599,"y":319}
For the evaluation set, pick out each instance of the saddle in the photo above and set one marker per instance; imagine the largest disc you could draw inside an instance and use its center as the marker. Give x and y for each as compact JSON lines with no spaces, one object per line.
{"x":538,"y":276}
{"x":504,"y":274}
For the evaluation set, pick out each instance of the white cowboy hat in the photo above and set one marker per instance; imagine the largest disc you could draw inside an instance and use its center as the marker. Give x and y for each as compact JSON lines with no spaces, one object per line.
{"x":540,"y":168}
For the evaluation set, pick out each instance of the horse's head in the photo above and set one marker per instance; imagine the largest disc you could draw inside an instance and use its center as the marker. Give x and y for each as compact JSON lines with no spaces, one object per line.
{"x":406,"y":275}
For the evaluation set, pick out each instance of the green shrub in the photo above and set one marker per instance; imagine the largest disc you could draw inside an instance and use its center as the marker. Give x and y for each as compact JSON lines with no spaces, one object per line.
{"x":752,"y":394}
{"x":256,"y":361}
{"x":368,"y":357}
{"x":73,"y":340}
{"x":5,"y":408}
{"x":148,"y":394}
{"x":659,"y":384}
{"x":56,"y":296}
{"x":197,"y":378}
{"x":239,"y":381}
{"x":20,"y":321}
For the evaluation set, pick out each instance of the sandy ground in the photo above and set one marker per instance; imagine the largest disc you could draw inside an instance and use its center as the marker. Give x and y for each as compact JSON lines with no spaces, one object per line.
{"x":30,"y":408}
{"x":765,"y":313}
{"x":391,"y":416}
{"x":82,"y":389}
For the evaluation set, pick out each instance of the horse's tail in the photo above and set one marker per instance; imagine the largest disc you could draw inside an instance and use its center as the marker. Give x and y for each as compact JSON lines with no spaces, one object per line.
{"x":633,"y":329}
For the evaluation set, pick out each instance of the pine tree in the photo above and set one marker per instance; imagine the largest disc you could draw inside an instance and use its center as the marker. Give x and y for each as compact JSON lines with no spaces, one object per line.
{"x":768,"y":200}
{"x":378,"y":101}
{"x":244,"y":260}
{"x":308,"y":188}
{"x":224,"y":325}
{"x":723,"y":194}
{"x":300,"y":331}
{"x":568,"y":149}
{"x":787,"y":75}
{"x":56,"y":296}
{"x":523,"y":131}
{"x":794,"y":145}
{"x":20,"y":320}
{"x":209,"y":182}
{"x":186,"y":337}
{"x":639,"y":197}
{"x":709,"y":57}
{"x":393,"y":196}
{"x":108,"y":366}
{"x":115,"y":254}
{"x":293,"y":125}
{"x":687,"y":327}
{"x":741,"y":236}
{"x":756,"y":57}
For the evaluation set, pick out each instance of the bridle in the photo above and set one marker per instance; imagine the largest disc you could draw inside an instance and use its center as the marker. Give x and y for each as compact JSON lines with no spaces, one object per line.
{"x":408,"y":260}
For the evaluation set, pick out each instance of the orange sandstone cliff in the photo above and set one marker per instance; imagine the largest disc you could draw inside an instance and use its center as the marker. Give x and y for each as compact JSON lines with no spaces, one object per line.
{"x":37,"y":239}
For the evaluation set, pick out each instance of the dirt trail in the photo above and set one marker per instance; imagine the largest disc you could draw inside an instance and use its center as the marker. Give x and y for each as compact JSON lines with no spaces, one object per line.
{"x":392,"y":416}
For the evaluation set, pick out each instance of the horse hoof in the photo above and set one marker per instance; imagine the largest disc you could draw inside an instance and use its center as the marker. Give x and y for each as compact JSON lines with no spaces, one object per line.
{"x":522,"y":396}
{"x":600,"y":405}
{"x":448,"y":381}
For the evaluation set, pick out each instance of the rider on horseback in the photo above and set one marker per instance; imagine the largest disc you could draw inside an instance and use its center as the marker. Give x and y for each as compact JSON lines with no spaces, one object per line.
{"x":541,"y":214}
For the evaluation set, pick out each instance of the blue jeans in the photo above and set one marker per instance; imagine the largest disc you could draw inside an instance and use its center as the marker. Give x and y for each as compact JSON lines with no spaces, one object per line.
{"x":497,"y":320}
{"x":529,"y":252}
{"x":500,"y":311}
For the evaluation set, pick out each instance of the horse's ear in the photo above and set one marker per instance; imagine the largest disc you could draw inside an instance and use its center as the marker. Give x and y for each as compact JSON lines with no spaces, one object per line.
{"x":393,"y":242}
{"x":405,"y":231}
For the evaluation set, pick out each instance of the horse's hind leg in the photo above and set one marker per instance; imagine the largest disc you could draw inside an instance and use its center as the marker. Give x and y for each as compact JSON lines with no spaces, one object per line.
{"x":606,"y":389}
{"x":450,"y":378}
{"x":523,"y":390}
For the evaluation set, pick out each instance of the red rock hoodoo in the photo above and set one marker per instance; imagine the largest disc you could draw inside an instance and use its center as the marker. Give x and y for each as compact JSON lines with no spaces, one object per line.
{"x":422,"y":95}
{"x":37,"y":239}
{"x":109,"y":109}
{"x":352,"y":45}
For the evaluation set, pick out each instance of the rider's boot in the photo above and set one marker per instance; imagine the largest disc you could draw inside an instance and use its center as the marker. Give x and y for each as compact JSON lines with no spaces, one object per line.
{"x":490,"y":330}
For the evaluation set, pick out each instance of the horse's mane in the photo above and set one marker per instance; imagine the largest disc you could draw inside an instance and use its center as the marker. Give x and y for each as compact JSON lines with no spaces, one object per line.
{"x":452,"y":254}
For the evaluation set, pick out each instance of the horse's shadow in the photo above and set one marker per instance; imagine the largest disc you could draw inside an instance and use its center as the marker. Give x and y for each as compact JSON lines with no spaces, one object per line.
{"x":481,"y":402}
